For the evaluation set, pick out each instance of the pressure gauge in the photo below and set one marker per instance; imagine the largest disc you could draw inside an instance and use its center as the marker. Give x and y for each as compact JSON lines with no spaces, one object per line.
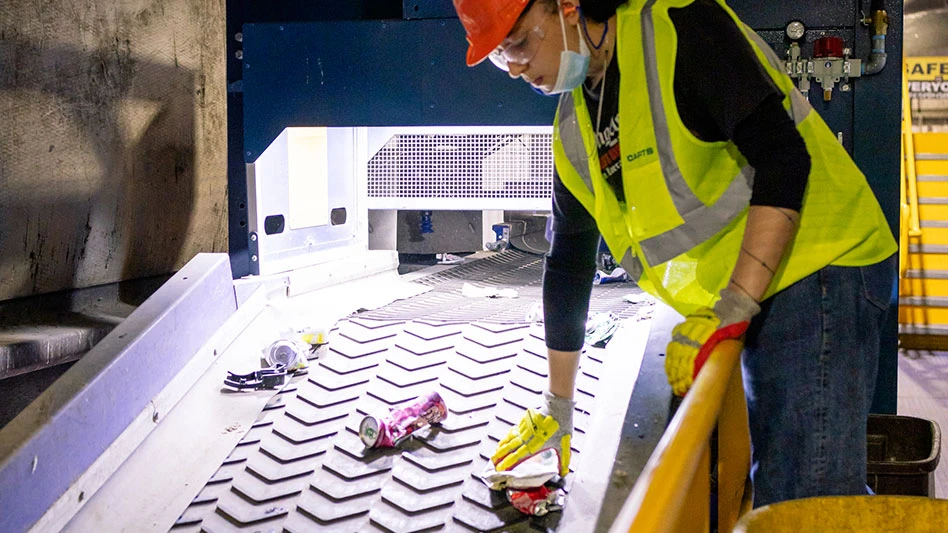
{"x":795,"y":30}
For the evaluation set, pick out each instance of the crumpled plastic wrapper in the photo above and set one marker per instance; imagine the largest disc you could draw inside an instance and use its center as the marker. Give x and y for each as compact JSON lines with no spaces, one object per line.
{"x":537,"y":501}
{"x":318,"y":340}
{"x":600,"y":327}
{"x":616,"y":276}
{"x":473,"y":291}
{"x":639,"y":298}
{"x":534,"y":315}
{"x":533,"y":472}
{"x":525,"y":483}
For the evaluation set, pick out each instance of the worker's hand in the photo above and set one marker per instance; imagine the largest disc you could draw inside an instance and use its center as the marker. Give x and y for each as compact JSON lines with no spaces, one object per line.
{"x":695,"y":338}
{"x":550,"y":426}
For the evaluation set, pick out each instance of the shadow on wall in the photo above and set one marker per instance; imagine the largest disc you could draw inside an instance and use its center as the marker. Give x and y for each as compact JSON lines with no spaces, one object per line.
{"x":924,"y":32}
{"x":97,"y":164}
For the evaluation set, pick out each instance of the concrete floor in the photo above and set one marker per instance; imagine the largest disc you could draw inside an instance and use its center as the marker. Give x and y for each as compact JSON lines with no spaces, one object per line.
{"x":923,"y":393}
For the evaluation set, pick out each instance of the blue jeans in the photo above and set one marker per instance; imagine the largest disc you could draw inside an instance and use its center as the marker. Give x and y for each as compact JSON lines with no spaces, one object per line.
{"x":810,"y":364}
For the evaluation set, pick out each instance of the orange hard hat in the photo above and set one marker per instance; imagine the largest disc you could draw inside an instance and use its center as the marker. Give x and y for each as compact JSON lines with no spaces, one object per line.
{"x":487,"y":23}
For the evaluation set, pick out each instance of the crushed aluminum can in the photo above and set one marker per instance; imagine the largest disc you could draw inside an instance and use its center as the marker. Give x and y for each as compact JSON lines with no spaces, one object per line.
{"x":402,"y":421}
{"x":537,"y":501}
{"x":289,"y":353}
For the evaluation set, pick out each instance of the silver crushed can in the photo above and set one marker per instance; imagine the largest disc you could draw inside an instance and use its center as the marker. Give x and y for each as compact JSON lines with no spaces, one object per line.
{"x":284,"y":352}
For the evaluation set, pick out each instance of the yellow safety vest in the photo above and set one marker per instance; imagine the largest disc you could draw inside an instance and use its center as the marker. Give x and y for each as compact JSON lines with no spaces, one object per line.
{"x":679,"y":232}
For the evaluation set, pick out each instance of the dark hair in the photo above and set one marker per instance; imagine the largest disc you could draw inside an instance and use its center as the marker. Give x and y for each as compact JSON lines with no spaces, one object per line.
{"x":599,"y":10}
{"x":549,"y":5}
{"x":594,"y":10}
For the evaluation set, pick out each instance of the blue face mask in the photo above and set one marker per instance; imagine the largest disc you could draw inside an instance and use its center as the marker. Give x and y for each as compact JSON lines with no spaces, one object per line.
{"x":573,"y":65}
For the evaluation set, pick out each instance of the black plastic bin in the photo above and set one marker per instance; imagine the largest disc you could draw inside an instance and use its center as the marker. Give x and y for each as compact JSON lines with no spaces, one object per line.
{"x":903,"y":452}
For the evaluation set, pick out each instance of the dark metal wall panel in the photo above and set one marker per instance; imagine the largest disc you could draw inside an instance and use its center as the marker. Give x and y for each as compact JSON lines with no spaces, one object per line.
{"x":839,"y":111}
{"x":877,"y":127}
{"x":373,"y":73}
{"x":240,"y":12}
{"x":869,"y":117}
{"x":813,"y":13}
{"x":428,"y":9}
{"x":877,"y":123}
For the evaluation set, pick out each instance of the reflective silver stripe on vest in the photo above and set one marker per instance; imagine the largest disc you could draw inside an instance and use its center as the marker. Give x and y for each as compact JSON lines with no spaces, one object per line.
{"x":685,"y":201}
{"x":632,"y":265}
{"x":702,"y":224}
{"x":799,"y":106}
{"x":571,"y":138}
{"x":701,"y":221}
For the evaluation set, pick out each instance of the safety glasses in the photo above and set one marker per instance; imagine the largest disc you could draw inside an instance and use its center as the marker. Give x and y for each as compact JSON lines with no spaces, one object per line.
{"x":519,"y":52}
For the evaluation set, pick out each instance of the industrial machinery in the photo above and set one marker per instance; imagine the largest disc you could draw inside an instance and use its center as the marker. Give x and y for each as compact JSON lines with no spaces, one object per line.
{"x":832,"y":60}
{"x":356,"y":133}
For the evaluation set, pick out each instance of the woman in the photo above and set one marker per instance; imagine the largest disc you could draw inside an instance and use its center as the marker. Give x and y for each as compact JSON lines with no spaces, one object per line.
{"x":681,"y":141}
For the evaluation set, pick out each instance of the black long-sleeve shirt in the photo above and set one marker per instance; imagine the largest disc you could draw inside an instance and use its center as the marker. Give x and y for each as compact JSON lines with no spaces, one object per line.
{"x":722,"y":93}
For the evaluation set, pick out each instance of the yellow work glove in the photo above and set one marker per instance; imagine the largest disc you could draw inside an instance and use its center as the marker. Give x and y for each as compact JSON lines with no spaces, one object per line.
{"x":695,"y":338}
{"x":550,"y":426}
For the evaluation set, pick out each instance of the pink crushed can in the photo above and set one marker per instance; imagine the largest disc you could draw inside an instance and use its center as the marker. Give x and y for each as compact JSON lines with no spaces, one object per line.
{"x":401,"y":421}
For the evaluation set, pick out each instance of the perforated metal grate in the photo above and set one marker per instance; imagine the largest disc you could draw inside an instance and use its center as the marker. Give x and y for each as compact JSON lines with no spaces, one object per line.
{"x":511,"y":269}
{"x":463,"y":166}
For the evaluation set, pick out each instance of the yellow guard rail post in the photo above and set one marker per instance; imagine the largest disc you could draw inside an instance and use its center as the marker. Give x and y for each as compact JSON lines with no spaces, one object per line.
{"x":908,"y":140}
{"x":672,"y":493}
{"x":904,"y":211}
{"x":904,"y":214}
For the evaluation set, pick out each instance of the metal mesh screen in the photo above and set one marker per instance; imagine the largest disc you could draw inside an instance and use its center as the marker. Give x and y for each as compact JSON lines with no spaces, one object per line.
{"x":463,"y":166}
{"x":512,"y":269}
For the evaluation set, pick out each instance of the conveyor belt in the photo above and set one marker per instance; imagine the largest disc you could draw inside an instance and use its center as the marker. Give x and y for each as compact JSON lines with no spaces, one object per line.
{"x":302,"y":466}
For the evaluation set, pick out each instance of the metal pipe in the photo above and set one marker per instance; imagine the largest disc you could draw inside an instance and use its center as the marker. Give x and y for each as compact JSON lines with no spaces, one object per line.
{"x":878,"y":22}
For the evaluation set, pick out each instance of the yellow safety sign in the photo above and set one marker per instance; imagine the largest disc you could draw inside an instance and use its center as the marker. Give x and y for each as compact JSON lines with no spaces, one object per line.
{"x":927,"y":77}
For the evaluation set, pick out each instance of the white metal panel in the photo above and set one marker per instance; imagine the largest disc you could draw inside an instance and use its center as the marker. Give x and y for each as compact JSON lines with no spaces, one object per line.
{"x":308,"y":174}
{"x":305,"y":169}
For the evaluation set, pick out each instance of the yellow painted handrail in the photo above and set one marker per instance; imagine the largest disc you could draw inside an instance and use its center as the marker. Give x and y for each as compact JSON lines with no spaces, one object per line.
{"x":909,"y":160}
{"x":672,"y":493}
{"x":904,"y":216}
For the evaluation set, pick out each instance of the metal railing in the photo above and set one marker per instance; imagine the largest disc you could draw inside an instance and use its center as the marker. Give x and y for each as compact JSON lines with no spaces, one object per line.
{"x":672,"y":493}
{"x":909,"y":225}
